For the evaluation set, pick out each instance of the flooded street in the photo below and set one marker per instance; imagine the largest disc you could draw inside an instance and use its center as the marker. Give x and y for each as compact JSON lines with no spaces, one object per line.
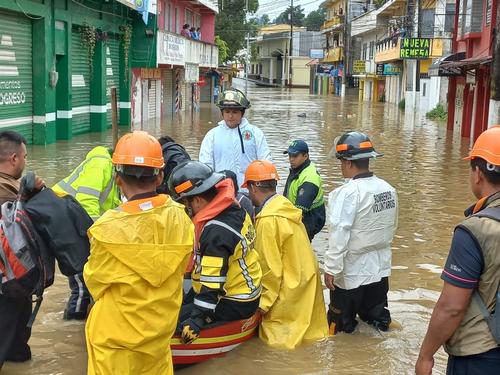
{"x":422,"y":161}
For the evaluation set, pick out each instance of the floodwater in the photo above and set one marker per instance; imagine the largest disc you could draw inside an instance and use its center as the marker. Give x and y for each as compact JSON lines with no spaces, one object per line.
{"x":422,"y":160}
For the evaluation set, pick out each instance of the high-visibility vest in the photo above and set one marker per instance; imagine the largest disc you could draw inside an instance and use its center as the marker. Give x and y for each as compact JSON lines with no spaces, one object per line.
{"x":92,"y":183}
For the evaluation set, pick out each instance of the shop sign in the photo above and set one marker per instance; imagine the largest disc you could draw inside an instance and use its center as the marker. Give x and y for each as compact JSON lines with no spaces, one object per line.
{"x":202,"y":82}
{"x":359,"y":67}
{"x":380,"y":69}
{"x":415,"y":48}
{"x":392,"y":70}
{"x":323,"y":69}
{"x":171,"y":49}
{"x":191,"y":73}
{"x":316,"y":53}
{"x":11,"y":90}
{"x":150,"y":73}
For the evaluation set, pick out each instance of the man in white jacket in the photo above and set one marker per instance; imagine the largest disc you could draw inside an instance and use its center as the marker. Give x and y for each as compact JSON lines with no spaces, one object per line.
{"x":234,"y":143}
{"x":362,"y":221}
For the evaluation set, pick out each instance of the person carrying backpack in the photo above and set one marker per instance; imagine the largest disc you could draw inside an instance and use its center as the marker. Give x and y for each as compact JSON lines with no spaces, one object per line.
{"x":466,"y":319}
{"x":15,"y":313}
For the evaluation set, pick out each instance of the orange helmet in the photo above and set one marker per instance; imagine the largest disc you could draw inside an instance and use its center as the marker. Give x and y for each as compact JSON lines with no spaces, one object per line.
{"x":138,"y":149}
{"x":487,"y":146}
{"x":260,"y":170}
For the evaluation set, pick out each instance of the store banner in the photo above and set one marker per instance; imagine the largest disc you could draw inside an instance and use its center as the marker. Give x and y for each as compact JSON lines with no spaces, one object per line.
{"x":171,"y":49}
{"x":415,"y":48}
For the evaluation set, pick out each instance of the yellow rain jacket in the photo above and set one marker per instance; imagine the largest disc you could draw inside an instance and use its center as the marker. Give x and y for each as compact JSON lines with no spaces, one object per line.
{"x":138,"y":256}
{"x":292,"y":295}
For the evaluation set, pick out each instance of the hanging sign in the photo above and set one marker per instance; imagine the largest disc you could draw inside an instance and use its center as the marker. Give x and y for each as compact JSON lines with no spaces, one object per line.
{"x":359,"y":67}
{"x":415,"y":48}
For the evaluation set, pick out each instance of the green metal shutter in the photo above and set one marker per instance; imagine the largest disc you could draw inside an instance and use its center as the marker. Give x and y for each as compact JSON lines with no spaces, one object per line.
{"x":16,"y":75}
{"x":80,"y":82}
{"x":112,"y":72}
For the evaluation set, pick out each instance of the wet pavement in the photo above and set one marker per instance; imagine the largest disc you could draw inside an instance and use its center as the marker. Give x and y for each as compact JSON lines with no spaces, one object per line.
{"x":422,"y":160}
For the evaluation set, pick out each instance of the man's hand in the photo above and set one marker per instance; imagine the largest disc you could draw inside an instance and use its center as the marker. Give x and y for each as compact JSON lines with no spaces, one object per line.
{"x":190,"y":330}
{"x":424,"y":365}
{"x":329,"y":281}
{"x":39,"y":183}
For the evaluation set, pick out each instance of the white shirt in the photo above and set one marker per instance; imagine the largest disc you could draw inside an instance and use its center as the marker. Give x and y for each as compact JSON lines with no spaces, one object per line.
{"x":222,"y":148}
{"x":362,"y":220}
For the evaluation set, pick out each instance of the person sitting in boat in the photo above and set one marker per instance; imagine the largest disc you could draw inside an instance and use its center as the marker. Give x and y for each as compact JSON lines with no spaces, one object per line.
{"x":227,"y":275}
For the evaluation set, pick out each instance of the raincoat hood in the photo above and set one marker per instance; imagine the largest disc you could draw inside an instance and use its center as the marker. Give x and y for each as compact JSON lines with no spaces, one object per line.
{"x":278,"y":205}
{"x":98,"y":151}
{"x":152,"y":262}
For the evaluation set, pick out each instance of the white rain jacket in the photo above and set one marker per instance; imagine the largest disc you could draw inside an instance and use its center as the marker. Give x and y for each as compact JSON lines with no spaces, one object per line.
{"x":234,"y":149}
{"x":362,"y":219}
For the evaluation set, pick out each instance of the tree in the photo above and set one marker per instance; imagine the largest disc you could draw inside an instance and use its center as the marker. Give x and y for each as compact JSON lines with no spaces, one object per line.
{"x":223,"y":49}
{"x":264,"y":20}
{"x":231,"y":25}
{"x":315,"y":19}
{"x":298,"y":16}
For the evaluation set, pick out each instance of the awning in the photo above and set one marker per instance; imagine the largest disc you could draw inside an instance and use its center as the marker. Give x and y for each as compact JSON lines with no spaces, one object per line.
{"x":313,"y":62}
{"x":456,"y":65}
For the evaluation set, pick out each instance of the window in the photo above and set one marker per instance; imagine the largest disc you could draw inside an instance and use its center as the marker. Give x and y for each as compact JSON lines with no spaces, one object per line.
{"x":363,"y":51}
{"x":372,"y":50}
{"x":167,"y":18}
{"x":197,"y":20}
{"x":177,"y":21}
{"x":449,"y":18}
{"x":189,"y":18}
{"x":427,"y":23}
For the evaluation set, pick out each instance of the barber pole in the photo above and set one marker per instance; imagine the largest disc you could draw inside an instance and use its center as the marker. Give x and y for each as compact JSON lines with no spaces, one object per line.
{"x":177,"y":90}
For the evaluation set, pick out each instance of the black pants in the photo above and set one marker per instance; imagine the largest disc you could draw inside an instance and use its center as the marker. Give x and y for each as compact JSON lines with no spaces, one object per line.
{"x":367,"y":301}
{"x":480,"y":364}
{"x":79,"y":299}
{"x":14,"y":335}
{"x":226,"y":310}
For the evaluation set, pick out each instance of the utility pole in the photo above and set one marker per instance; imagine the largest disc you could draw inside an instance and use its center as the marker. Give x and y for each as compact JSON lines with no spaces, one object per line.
{"x":247,"y":58}
{"x":417,"y":69}
{"x":346,"y":40}
{"x":494,"y":111}
{"x":290,"y":48}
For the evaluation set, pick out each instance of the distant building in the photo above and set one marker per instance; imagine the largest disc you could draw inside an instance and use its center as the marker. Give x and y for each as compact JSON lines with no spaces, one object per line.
{"x":275,"y":65}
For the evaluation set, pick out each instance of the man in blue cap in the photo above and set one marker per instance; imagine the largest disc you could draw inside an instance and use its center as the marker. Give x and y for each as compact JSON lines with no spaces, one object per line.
{"x":304,"y":187}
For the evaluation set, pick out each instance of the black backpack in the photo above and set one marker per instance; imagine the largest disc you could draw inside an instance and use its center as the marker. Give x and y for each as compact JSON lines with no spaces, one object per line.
{"x":173,"y":155}
{"x":62,"y":223}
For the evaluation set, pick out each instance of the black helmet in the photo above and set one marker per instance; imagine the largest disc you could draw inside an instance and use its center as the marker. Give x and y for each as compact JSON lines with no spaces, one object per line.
{"x":354,"y":146}
{"x":233,"y":98}
{"x":192,"y":178}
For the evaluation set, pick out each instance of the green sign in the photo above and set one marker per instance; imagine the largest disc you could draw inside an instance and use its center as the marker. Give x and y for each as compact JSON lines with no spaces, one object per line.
{"x":415,"y":48}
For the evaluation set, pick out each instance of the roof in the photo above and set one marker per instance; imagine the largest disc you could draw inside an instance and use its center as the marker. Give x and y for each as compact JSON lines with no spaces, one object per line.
{"x":279,"y":28}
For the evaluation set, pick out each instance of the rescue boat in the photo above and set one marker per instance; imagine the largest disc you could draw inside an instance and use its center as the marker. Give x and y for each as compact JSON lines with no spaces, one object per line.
{"x":213,"y":342}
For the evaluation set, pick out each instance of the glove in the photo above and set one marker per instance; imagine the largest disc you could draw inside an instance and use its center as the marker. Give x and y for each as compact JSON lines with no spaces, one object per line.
{"x":190,"y":330}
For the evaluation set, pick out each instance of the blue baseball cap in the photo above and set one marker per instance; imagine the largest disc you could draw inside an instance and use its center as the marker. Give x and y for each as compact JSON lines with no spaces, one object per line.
{"x":297,"y":147}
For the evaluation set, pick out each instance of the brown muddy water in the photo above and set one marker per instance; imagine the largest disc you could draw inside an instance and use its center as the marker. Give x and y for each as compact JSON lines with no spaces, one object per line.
{"x":422,"y":160}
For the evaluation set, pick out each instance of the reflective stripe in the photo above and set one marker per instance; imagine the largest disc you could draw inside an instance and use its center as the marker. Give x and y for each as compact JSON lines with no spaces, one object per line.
{"x":80,"y":293}
{"x":67,"y":188}
{"x":107,"y":191}
{"x":244,"y":269}
{"x":224,"y":225}
{"x":204,"y":304}
{"x":213,"y":279}
{"x":89,"y":191}
{"x":252,"y":295}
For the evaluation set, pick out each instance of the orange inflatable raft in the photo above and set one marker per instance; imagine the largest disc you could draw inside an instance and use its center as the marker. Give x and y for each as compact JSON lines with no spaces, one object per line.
{"x":214,"y":342}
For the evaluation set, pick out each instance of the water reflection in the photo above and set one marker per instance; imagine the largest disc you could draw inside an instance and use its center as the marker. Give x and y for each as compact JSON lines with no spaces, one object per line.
{"x":422,"y":160}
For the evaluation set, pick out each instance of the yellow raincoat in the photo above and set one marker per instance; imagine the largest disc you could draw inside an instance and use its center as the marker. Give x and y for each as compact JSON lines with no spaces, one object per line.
{"x":292,"y":295}
{"x":138,"y":256}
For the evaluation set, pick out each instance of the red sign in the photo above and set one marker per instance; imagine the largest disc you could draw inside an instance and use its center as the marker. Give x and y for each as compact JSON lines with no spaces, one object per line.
{"x":202,"y":81}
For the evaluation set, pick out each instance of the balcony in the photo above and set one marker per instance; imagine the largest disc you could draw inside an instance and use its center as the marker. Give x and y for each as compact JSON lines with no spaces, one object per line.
{"x":388,"y":49}
{"x":333,"y":54}
{"x":335,"y":23}
{"x":174,"y":49}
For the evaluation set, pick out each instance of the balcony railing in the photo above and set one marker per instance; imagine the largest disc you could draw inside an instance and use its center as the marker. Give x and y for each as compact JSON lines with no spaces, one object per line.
{"x":336,"y":21}
{"x":333,"y":54}
{"x":174,"y":49}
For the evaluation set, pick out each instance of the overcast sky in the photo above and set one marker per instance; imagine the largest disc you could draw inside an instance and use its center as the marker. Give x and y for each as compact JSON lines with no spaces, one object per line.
{"x":274,"y":7}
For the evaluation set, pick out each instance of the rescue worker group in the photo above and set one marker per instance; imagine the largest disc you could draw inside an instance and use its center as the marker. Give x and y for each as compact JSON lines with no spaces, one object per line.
{"x":157,"y":246}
